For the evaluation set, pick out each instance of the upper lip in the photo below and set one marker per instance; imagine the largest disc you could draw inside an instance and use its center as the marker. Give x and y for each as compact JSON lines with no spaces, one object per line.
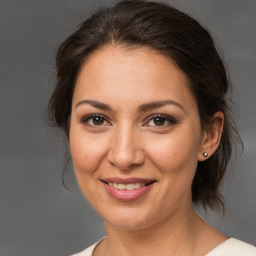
{"x":127,"y":180}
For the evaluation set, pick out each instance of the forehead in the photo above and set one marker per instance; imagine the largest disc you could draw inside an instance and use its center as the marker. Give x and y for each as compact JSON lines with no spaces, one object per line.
{"x":119,"y":73}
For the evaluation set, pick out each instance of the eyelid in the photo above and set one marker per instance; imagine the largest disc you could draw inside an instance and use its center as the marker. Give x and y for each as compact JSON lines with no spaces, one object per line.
{"x":86,"y":118}
{"x":166,"y":117}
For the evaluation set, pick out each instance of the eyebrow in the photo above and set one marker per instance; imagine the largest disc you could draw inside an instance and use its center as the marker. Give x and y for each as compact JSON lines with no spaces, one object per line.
{"x":95,"y":104}
{"x":157,"y":104}
{"x":142,"y":108}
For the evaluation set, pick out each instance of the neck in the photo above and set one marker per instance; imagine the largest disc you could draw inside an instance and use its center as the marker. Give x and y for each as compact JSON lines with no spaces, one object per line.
{"x":174,"y":235}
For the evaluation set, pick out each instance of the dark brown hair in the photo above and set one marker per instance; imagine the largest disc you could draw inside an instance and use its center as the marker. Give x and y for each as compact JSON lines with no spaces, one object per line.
{"x":138,"y":23}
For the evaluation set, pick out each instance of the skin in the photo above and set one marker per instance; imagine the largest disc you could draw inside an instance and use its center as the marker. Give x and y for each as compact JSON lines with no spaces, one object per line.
{"x":128,"y":142}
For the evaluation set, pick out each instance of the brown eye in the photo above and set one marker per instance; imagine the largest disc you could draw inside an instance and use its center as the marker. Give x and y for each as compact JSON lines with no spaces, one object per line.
{"x":161,"y":121}
{"x":95,"y":120}
{"x":158,"y":121}
{"x":98,"y":120}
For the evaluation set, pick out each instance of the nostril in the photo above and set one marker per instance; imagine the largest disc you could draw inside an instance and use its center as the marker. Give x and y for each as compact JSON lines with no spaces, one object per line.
{"x":126,"y":159}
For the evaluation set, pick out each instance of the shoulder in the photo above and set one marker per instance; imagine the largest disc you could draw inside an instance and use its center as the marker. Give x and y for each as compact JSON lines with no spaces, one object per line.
{"x":233,"y":247}
{"x":88,"y":251}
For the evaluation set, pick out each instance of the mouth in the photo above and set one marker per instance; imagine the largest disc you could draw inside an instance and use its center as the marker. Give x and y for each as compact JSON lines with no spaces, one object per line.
{"x":127,"y":184}
{"x":127,"y":189}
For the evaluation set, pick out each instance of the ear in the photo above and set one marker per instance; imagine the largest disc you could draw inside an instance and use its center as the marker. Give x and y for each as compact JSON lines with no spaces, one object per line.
{"x":211,"y":136}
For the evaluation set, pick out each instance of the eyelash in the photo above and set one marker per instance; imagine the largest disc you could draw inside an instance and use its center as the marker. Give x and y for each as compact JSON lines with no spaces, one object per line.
{"x":171,"y":120}
{"x":86,"y":119}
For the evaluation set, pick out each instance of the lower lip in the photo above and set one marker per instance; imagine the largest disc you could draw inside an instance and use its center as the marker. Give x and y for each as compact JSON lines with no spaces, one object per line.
{"x":127,"y":195}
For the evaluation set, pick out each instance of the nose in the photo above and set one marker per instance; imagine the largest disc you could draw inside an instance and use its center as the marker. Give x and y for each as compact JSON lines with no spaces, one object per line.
{"x":126,"y":151}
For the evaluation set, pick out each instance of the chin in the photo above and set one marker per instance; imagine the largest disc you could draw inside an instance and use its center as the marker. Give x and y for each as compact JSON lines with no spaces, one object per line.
{"x":129,"y":220}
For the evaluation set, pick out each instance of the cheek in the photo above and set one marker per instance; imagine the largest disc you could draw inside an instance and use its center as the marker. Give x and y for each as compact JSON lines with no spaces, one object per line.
{"x":87,"y":151}
{"x":174,"y":154}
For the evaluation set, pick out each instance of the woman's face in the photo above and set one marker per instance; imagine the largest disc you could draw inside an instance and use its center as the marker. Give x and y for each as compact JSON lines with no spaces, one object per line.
{"x":135,"y":136}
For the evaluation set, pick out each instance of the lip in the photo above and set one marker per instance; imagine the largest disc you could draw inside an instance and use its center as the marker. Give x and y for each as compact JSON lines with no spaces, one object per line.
{"x":128,"y":195}
{"x":128,"y":180}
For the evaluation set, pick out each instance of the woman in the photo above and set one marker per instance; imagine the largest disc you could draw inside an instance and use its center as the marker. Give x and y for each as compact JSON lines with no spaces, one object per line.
{"x":141,"y":97}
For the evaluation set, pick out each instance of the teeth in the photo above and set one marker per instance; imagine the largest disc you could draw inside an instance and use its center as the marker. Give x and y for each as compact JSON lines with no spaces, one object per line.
{"x":121,"y":186}
{"x":131,"y":186}
{"x":137,"y":185}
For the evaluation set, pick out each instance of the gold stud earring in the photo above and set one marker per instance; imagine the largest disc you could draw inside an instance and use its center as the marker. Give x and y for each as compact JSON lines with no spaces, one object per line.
{"x":205,"y":154}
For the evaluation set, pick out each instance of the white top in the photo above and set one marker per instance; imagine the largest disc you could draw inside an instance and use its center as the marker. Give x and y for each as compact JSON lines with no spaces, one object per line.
{"x":231,"y":247}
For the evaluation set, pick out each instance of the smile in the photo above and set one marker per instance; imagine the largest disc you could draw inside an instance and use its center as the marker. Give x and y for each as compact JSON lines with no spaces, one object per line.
{"x":127,"y":189}
{"x":130,"y":186}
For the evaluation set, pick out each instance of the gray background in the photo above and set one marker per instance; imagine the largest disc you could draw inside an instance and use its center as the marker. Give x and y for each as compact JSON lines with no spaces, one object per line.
{"x":37,"y":215}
